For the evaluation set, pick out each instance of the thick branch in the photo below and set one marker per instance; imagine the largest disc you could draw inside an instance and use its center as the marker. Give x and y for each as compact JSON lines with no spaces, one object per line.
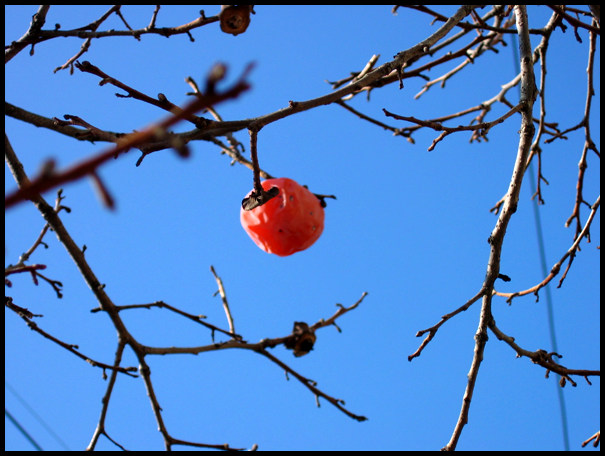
{"x":496,"y":240}
{"x":35,"y":27}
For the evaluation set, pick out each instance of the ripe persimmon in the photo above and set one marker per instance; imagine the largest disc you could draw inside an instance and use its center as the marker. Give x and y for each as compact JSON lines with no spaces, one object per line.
{"x":289,"y":222}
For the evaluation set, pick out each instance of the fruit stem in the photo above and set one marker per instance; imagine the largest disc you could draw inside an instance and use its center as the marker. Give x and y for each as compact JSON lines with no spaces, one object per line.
{"x":253,"y":153}
{"x":259,"y":196}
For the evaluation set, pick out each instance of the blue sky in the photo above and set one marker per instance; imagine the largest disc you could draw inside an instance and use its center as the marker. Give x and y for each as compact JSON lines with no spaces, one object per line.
{"x":409,"y":227}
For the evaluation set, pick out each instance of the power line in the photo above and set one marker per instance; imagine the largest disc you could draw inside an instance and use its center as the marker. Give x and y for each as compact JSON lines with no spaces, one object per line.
{"x":37,"y":417}
{"x":549,"y":311}
{"x":22,"y":429}
{"x":542,"y":253}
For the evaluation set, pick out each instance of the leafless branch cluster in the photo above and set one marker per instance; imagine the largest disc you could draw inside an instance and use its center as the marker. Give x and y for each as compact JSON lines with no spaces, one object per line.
{"x":297,"y":341}
{"x":460,"y":39}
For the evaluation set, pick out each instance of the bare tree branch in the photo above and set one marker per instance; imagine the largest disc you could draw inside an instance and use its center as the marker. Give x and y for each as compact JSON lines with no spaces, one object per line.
{"x":528,"y":96}
{"x":460,"y":42}
{"x":49,"y":180}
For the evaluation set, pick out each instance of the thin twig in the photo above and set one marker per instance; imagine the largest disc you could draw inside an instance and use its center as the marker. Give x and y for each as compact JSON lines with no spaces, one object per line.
{"x":554,"y":271}
{"x":47,"y":182}
{"x":338,"y":403}
{"x":74,"y":349}
{"x":596,"y":437}
{"x":433,"y":329}
{"x":100,"y":429}
{"x":163,"y":305}
{"x":221,"y":291}
{"x":544,"y":359}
